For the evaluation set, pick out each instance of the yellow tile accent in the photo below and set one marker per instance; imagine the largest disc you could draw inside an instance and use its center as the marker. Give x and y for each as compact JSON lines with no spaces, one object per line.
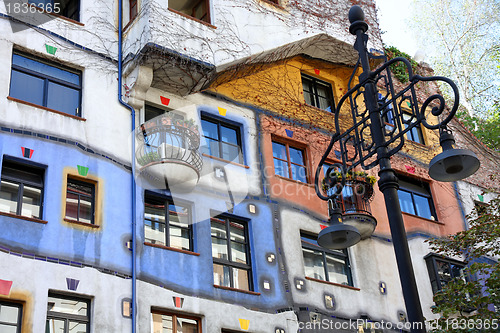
{"x":244,"y":324}
{"x":222,"y":111}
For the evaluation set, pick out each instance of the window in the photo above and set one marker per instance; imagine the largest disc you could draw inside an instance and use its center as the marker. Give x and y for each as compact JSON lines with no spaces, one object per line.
{"x":21,"y":189}
{"x":318,"y":93}
{"x":415,"y":134}
{"x":323,"y":264}
{"x":223,"y":140}
{"x":67,"y":314}
{"x":80,"y":201}
{"x":10,"y":317}
{"x":45,"y":84}
{"x":152,"y":112}
{"x":167,"y":223}
{"x":66,"y":8}
{"x":415,"y":198}
{"x":387,"y":113}
{"x":442,"y":271}
{"x":198,"y":9}
{"x":289,"y":162}
{"x":132,"y":9}
{"x":174,"y":323}
{"x":231,"y":253}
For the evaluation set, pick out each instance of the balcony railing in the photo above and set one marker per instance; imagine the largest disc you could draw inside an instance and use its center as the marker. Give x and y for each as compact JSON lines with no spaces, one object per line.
{"x":168,"y":152}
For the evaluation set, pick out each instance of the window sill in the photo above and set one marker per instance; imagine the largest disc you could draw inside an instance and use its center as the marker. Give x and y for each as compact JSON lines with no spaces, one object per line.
{"x":21,"y":217}
{"x":44,"y":108}
{"x":418,"y":144}
{"x":423,"y":218}
{"x":238,"y":290}
{"x":332,"y":283}
{"x":192,"y":18}
{"x":294,"y":181}
{"x":57,"y":15}
{"x":85,"y":224}
{"x":171,"y":248}
{"x":223,"y":160}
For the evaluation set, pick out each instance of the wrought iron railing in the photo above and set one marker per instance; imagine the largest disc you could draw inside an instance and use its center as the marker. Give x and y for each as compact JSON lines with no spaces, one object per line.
{"x":355,"y":197}
{"x":161,"y":141}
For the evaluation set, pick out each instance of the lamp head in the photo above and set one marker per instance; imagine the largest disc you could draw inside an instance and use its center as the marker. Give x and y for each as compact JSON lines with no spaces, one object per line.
{"x":338,"y":235}
{"x":452,"y":164}
{"x":357,"y":19}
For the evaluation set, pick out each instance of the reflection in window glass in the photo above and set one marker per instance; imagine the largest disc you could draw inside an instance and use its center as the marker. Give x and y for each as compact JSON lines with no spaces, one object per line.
{"x":223,"y":140}
{"x":289,"y":162}
{"x":67,"y":314}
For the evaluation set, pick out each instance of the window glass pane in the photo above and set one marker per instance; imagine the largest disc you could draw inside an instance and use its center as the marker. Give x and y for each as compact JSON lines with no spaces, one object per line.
{"x":279,"y":151}
{"x":75,"y":327}
{"x":9,"y":314}
{"x":162,"y":323}
{"x":230,"y":152}
{"x":308,"y":97}
{"x":46,"y":69}
{"x":8,"y":329}
{"x":240,"y":278}
{"x":299,"y":173}
{"x":406,"y":202}
{"x":26,"y":87}
{"x":322,"y":90}
{"x":210,"y":129}
{"x":238,"y":253}
{"x":86,"y":209}
{"x":185,"y":325}
{"x":444,"y":272}
{"x":221,"y":275}
{"x":63,"y":98}
{"x":423,"y":206}
{"x":313,"y":264}
{"x":218,"y":228}
{"x":154,"y":211}
{"x":324,"y":104}
{"x":71,"y":205}
{"x":31,"y":202}
{"x":228,"y":135}
{"x":179,"y":238}
{"x":154,"y":232}
{"x":69,"y":306}
{"x":151,"y":112}
{"x":237,"y":231}
{"x":178,"y":215}
{"x":8,"y":197}
{"x":281,"y":168}
{"x":212,"y":148}
{"x":337,"y":269}
{"x":219,"y":248}
{"x":296,"y":156}
{"x":54,"y":326}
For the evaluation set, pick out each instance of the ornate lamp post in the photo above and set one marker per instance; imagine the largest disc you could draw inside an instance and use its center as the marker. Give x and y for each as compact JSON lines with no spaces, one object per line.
{"x":370,"y":142}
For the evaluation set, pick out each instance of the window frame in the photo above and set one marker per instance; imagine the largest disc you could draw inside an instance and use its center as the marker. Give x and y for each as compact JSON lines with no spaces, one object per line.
{"x":313,"y":84}
{"x":425,"y":186}
{"x":167,"y":201}
{"x":232,"y":126}
{"x":19,"y":306}
{"x":227,"y":262}
{"x":205,"y":18}
{"x":410,"y":135}
{"x":34,"y":169}
{"x":46,"y":79}
{"x":340,"y":254}
{"x":174,"y":318}
{"x":133,"y":9}
{"x":85,"y":182}
{"x":431,"y":261}
{"x":295,"y":146}
{"x":67,"y":316}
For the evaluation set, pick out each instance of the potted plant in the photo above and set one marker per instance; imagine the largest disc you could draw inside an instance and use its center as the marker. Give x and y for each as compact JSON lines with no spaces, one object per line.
{"x":360,"y":181}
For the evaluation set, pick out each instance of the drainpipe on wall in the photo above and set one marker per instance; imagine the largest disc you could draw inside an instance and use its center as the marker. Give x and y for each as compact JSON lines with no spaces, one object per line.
{"x":460,"y":205}
{"x":122,"y":102}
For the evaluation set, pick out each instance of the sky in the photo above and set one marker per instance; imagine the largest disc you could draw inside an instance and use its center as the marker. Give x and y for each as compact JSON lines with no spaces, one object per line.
{"x":393,"y":15}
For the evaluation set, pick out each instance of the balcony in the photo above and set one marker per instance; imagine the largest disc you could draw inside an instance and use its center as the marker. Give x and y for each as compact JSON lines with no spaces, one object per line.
{"x":167,"y":154}
{"x":355,"y":204}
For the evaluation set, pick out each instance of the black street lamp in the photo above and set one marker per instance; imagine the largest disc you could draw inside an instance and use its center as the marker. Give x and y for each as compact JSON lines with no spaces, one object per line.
{"x":370,"y":142}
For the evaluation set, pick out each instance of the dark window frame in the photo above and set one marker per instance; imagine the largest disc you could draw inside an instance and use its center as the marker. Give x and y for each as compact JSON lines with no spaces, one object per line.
{"x":340,"y":254}
{"x":93,"y":196}
{"x":312,"y":91}
{"x":66,"y":317}
{"x":432,"y":268}
{"x":48,"y":78}
{"x":175,"y":316}
{"x":415,"y":134}
{"x":229,"y":125}
{"x":133,"y":10}
{"x":19,"y":306}
{"x":295,"y":146}
{"x":63,"y":10}
{"x":227,"y":262}
{"x":424,"y":186}
{"x":167,"y":201}
{"x":18,"y":165}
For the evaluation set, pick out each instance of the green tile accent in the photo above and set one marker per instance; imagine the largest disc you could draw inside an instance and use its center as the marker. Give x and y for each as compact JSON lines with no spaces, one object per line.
{"x":82,"y":171}
{"x":481,"y":198}
{"x":50,"y":49}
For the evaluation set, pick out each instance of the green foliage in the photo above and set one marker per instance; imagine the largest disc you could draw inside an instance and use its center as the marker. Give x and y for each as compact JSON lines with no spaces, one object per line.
{"x":466,"y":301}
{"x":485,"y":129}
{"x":399,"y":69}
{"x":148,"y":158}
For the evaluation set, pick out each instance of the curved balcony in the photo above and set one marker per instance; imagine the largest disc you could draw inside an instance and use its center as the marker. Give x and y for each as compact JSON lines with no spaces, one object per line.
{"x":168,"y":154}
{"x":355,"y":205}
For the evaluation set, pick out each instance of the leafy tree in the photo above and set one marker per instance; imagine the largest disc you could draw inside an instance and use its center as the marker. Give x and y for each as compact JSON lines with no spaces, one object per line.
{"x":486,"y":129}
{"x":475,"y":299}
